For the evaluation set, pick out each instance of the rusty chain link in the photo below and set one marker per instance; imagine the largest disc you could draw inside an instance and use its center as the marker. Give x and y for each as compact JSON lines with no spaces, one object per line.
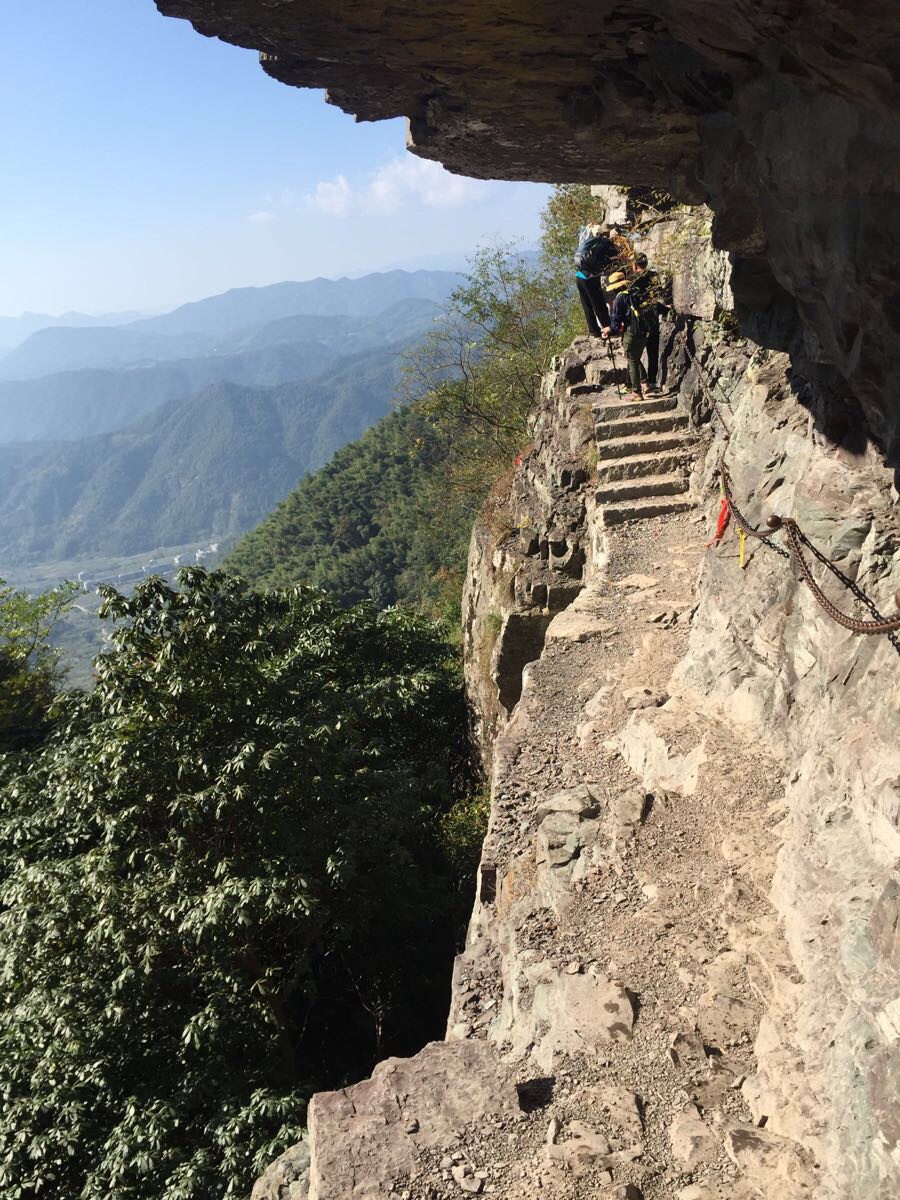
{"x":738,"y":517}
{"x":796,"y":540}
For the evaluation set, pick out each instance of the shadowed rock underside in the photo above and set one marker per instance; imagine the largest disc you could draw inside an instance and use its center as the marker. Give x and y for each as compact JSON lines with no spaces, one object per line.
{"x":783,"y":115}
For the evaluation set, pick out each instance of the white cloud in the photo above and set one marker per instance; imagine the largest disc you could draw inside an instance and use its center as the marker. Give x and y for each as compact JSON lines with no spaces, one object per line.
{"x":332,"y":196}
{"x":396,"y":185}
{"x":261,"y":217}
{"x":419,"y":179}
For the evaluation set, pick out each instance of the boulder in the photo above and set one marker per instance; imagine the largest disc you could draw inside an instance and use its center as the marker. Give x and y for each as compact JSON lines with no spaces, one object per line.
{"x":359,"y":1134}
{"x":287,"y":1178}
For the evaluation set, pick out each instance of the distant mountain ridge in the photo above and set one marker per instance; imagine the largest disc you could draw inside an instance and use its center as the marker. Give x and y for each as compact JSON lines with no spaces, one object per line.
{"x":210,"y":466}
{"x":235,"y":310}
{"x":14,"y":330}
{"x":71,"y":404}
{"x":209,"y":326}
{"x":70,"y":348}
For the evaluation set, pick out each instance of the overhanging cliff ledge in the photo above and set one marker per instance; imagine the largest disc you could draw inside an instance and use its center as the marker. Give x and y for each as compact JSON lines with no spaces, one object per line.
{"x":783,"y":115}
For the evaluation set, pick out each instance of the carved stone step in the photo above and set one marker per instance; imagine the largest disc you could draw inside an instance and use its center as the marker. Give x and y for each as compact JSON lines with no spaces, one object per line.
{"x":642,"y":510}
{"x":643,"y":423}
{"x":612,"y":410}
{"x":643,"y":464}
{"x":593,"y":388}
{"x":642,"y":488}
{"x":647,"y":443}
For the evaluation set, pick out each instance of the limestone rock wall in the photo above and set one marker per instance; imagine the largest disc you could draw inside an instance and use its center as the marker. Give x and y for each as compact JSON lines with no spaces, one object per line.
{"x":764,"y":656}
{"x":681,"y":975}
{"x":528,"y":555}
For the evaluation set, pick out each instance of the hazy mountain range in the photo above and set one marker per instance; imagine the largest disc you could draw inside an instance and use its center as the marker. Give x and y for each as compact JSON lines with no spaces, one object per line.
{"x":192,"y":425}
{"x":14,"y":330}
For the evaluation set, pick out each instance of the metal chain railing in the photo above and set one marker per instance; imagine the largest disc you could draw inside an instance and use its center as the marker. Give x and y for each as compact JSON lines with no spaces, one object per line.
{"x":738,"y":517}
{"x":796,"y":541}
{"x":795,"y":538}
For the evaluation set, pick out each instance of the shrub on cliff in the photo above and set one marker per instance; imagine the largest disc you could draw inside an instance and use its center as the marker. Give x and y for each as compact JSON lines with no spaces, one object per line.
{"x":480,"y":368}
{"x":223,"y":884}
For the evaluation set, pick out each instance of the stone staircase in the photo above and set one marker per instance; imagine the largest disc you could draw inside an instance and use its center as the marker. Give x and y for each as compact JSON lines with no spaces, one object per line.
{"x":645,"y":450}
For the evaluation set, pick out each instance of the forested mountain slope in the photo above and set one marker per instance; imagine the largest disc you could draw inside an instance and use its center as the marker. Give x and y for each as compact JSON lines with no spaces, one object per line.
{"x":79,"y":404}
{"x":206,"y":467}
{"x":84,"y":402}
{"x":372,"y":524}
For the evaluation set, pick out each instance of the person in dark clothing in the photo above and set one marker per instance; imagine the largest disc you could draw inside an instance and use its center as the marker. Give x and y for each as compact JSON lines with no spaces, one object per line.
{"x":590,"y":293}
{"x":624,"y":319}
{"x":594,"y":255}
{"x":645,"y":295}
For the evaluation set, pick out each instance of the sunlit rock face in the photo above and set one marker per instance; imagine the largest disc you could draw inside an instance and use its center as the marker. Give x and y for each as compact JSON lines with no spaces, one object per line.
{"x":782,"y":114}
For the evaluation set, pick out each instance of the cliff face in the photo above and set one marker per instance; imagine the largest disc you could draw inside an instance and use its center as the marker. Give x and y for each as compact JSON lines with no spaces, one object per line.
{"x":782,"y":115}
{"x":680,"y":978}
{"x":682,"y":970}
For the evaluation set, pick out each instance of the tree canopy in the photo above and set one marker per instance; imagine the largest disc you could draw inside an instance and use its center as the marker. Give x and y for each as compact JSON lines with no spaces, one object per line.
{"x":389,"y":517}
{"x":223,"y":885}
{"x":29,"y":667}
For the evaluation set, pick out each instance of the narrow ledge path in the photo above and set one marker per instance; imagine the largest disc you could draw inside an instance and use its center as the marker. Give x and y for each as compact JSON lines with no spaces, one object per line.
{"x":623,"y":958}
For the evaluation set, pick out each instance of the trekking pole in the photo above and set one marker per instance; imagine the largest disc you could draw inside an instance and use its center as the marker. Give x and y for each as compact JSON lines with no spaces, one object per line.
{"x":612,"y":359}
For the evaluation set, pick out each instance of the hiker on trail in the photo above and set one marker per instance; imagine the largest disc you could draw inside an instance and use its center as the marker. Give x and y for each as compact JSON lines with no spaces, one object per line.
{"x":628,"y":319}
{"x":595,"y":255}
{"x":645,"y":295}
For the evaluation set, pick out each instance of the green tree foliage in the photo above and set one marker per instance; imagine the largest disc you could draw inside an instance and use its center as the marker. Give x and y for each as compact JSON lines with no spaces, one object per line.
{"x":370,"y":524}
{"x":478,"y":372}
{"x":569,"y":206}
{"x":223,"y":885}
{"x":29,"y":668}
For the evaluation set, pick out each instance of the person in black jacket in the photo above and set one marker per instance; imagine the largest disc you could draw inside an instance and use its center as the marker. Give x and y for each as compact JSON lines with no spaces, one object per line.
{"x":595,"y":253}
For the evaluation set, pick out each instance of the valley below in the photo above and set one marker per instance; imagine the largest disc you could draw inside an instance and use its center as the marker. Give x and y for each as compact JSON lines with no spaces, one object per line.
{"x":121,"y":455}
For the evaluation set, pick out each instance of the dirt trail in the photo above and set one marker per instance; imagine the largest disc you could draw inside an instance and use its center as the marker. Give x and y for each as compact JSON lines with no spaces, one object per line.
{"x":623,"y":960}
{"x":623,"y":911}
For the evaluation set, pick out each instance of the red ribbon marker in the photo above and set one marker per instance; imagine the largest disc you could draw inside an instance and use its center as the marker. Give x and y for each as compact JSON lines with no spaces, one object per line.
{"x":721,"y":524}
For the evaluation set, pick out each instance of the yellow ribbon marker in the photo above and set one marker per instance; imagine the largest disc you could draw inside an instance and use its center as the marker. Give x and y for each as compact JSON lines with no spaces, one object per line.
{"x":743,"y":540}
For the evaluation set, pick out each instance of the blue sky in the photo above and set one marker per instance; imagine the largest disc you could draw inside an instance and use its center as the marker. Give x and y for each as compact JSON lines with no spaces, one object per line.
{"x":143,"y":165}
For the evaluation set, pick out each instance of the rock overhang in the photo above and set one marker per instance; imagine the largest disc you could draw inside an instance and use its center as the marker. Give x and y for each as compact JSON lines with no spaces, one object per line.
{"x":783,"y":115}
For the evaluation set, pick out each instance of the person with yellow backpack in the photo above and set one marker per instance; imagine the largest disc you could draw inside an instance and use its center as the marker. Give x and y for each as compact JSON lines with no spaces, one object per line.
{"x":627,"y":318}
{"x":646,"y":292}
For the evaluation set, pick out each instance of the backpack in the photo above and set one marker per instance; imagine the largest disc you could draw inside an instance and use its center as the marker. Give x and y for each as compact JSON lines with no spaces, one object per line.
{"x":630,"y":312}
{"x":595,"y":254}
{"x":641,"y":303}
{"x":639,"y":306}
